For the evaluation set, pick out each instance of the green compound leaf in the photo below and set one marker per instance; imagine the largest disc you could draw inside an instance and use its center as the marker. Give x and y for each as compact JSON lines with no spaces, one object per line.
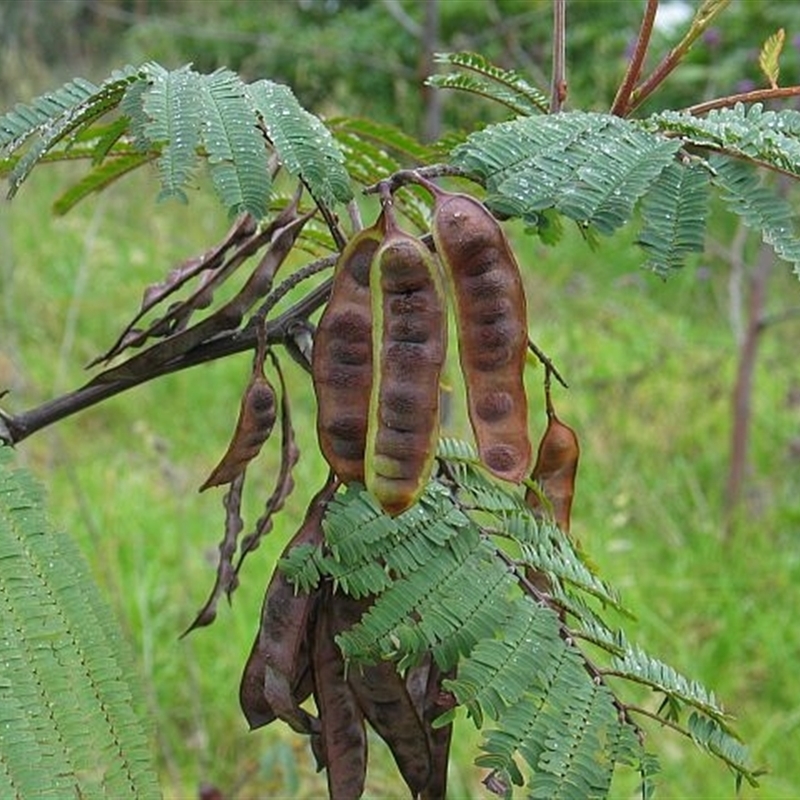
{"x":771,"y":138}
{"x":539,"y":668}
{"x":759,"y":206}
{"x":479,"y":76}
{"x":304,"y":145}
{"x":69,"y":724}
{"x":592,"y":168}
{"x":172,"y":106}
{"x":674,"y":215}
{"x":237,"y":153}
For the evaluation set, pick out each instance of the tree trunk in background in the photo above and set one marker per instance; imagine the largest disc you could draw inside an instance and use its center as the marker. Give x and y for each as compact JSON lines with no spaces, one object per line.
{"x":742,"y":396}
{"x":432,"y":121}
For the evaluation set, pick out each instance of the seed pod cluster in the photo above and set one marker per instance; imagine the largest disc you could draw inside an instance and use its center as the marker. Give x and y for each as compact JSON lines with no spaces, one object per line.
{"x":343,"y":734}
{"x":378,"y":403}
{"x":378,"y":353}
{"x":385,"y":701}
{"x":295,"y":656}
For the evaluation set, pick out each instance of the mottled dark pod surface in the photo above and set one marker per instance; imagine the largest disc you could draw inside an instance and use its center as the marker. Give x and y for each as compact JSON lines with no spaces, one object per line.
{"x":382,"y":695}
{"x":257,"y":414}
{"x":410,"y":338}
{"x":491,"y":316}
{"x":342,"y":358}
{"x":343,"y":740}
{"x":276,"y":679}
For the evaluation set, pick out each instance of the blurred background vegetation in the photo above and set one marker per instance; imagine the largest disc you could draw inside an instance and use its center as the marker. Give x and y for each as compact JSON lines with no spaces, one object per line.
{"x":652,"y":368}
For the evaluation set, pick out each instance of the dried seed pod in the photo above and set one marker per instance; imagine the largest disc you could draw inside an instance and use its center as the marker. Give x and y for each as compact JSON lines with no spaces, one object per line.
{"x":436,"y":702}
{"x":492,"y":328}
{"x":555,"y":470}
{"x":253,"y":427}
{"x":280,"y":652}
{"x":342,"y":358}
{"x":252,"y":700}
{"x":384,"y":699}
{"x":410,"y":337}
{"x":343,"y":739}
{"x":257,"y":711}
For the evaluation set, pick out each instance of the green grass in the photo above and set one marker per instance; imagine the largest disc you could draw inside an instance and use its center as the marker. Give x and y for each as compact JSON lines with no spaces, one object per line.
{"x":650,"y":366}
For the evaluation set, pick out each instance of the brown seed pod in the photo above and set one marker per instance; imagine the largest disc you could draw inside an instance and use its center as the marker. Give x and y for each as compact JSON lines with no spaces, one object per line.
{"x":253,"y":427}
{"x":280,"y":652}
{"x":252,"y":700}
{"x":342,"y":358}
{"x":492,"y":328}
{"x":384,"y":699}
{"x":257,"y":711}
{"x":436,"y":702}
{"x":343,"y":736}
{"x":555,"y":470}
{"x":409,"y":344}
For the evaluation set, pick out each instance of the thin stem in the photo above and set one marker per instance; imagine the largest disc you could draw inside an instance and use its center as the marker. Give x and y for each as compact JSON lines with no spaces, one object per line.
{"x":755,"y":96}
{"x":632,"y":709}
{"x":405,"y":176}
{"x":558,"y":92}
{"x":620,"y":106}
{"x":706,"y":13}
{"x":431,"y":97}
{"x":16,"y":427}
{"x":742,"y":394}
{"x":546,"y":361}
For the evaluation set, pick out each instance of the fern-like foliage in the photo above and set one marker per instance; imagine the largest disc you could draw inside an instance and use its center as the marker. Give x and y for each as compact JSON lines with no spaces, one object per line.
{"x":737,"y":139}
{"x":303,"y":144}
{"x":674,"y":213}
{"x":479,"y":76}
{"x":761,"y":207}
{"x":565,"y":728}
{"x":236,"y":154}
{"x":449,"y":577}
{"x":533,"y":686}
{"x":714,"y":738}
{"x":172,"y":108}
{"x":68,"y":721}
{"x":637,"y":666}
{"x":53,"y":117}
{"x":180,"y":118}
{"x":592,"y":168}
{"x":771,"y":138}
{"x":27,"y":119}
{"x":597,"y":169}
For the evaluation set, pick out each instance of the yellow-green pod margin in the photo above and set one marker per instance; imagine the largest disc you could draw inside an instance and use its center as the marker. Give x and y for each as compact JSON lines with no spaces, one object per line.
{"x":409,"y":347}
